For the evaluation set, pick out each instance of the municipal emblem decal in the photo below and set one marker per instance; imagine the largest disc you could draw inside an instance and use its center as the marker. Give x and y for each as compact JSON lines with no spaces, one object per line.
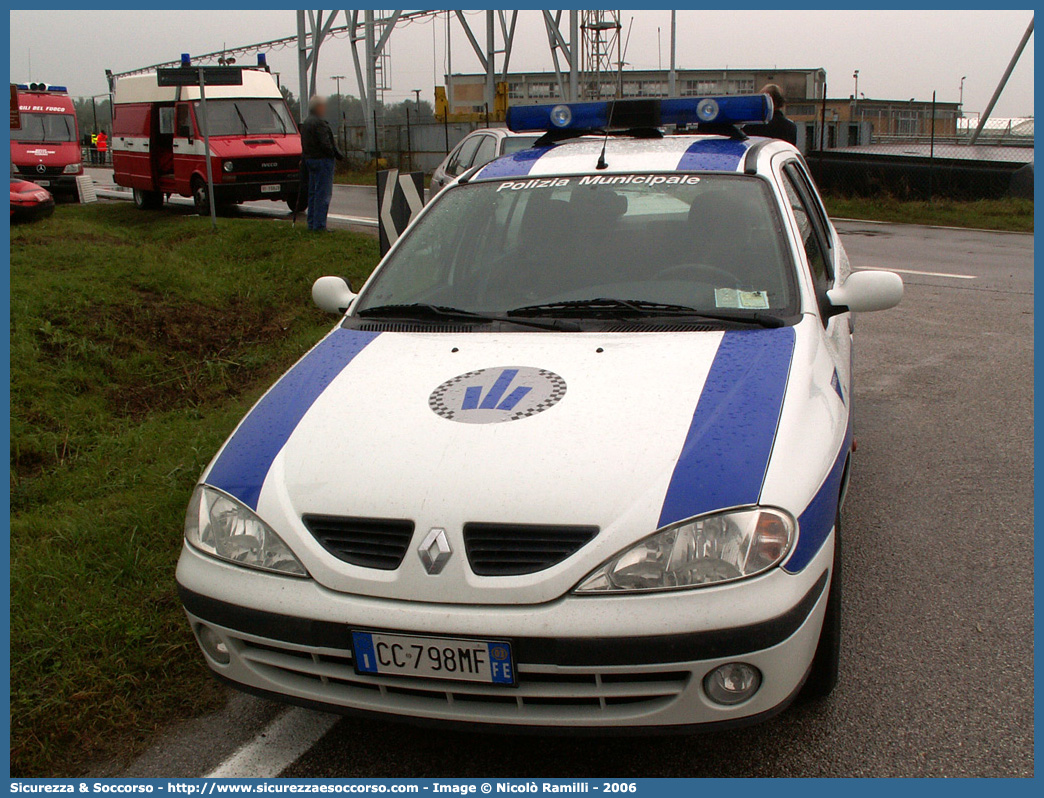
{"x":488,"y":396}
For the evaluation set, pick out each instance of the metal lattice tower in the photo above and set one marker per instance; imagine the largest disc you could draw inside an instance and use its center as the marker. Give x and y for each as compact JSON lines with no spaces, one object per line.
{"x":600,"y":53}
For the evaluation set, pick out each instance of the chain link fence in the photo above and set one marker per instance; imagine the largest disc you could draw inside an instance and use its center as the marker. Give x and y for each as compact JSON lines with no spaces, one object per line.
{"x":408,"y":147}
{"x":934,"y":160}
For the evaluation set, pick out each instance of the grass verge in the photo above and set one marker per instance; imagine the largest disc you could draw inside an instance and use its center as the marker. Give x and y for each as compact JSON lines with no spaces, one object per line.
{"x":1000,"y":214}
{"x":138,"y":340}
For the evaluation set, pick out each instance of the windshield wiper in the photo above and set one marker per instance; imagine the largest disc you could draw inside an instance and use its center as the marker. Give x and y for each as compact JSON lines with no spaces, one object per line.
{"x":639,"y":307}
{"x":246,"y":127}
{"x":422,"y":310}
{"x":282,"y":124}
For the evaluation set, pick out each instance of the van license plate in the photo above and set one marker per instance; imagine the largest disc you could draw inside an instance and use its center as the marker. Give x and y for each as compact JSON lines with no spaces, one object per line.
{"x":486,"y":661}
{"x":270,"y":189}
{"x":42,"y":182}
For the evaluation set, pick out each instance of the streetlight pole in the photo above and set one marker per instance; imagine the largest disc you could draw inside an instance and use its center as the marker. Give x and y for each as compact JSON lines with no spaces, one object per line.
{"x":340,"y":116}
{"x":963,"y":77}
{"x":417,"y":93}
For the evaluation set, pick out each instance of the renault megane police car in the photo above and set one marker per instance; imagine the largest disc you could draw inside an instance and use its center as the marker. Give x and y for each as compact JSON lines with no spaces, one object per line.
{"x":574,"y":455}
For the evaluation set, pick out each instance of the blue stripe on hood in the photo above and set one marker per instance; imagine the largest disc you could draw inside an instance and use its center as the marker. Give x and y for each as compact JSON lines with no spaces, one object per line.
{"x":726,"y":451}
{"x":518,"y":164}
{"x":714,"y":155}
{"x":243,"y":464}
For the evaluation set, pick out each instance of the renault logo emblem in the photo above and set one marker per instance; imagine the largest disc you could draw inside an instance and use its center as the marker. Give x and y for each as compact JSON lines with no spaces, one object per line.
{"x":434,"y":551}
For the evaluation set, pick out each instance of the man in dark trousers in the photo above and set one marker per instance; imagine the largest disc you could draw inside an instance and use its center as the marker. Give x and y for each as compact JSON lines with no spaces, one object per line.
{"x":779,"y":127}
{"x":318,"y":150}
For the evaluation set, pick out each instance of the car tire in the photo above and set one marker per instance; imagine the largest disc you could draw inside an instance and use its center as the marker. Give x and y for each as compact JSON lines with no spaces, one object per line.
{"x":298,"y":205}
{"x":823,"y":673}
{"x":148,"y":200}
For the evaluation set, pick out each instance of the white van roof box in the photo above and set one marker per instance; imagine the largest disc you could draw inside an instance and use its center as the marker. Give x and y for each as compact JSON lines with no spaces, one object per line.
{"x":144,"y":89}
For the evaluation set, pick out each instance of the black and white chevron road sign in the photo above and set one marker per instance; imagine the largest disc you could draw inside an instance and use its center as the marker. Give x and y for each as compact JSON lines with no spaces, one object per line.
{"x":400,"y":197}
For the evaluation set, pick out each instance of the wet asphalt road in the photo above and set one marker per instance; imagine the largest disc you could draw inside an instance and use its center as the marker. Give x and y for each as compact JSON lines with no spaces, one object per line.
{"x":938,"y":567}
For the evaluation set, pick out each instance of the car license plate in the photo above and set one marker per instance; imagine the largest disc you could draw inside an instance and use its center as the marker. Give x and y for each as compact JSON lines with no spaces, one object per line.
{"x":42,"y":182}
{"x":270,"y":189}
{"x":487,"y":661}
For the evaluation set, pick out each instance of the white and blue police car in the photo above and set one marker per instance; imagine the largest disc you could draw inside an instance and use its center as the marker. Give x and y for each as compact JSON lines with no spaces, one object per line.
{"x":572,"y":458}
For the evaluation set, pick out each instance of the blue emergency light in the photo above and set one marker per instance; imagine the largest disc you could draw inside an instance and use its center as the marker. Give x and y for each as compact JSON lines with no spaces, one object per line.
{"x":186,"y":60}
{"x":262,"y":60}
{"x":42,"y":87}
{"x":624,"y":114}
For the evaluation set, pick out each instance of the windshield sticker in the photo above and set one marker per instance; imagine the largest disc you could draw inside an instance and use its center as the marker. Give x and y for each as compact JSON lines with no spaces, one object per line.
{"x":518,"y":185}
{"x":742,"y":300}
{"x":638,"y":180}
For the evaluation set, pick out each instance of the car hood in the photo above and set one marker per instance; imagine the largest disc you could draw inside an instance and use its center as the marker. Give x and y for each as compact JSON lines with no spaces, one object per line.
{"x":622,"y":432}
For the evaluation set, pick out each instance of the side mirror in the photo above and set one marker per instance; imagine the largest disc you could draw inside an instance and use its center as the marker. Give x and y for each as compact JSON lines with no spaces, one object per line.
{"x":865,"y":291}
{"x":332,"y":294}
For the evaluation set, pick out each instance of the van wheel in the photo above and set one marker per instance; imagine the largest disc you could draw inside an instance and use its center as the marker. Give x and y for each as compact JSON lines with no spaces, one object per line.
{"x":200,"y":196}
{"x":148,"y":200}
{"x":297,"y":204}
{"x":823,"y":675}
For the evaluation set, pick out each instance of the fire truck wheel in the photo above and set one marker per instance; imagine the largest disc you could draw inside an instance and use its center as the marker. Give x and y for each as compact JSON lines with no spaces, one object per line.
{"x":148,"y":200}
{"x":200,"y":196}
{"x":298,"y":204}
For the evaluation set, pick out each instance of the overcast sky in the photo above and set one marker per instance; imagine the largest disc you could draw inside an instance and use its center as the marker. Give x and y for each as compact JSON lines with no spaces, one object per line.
{"x":899,"y":55}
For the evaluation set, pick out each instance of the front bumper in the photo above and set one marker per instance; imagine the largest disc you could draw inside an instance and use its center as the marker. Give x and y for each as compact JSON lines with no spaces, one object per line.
{"x":248,"y":189}
{"x":292,"y":643}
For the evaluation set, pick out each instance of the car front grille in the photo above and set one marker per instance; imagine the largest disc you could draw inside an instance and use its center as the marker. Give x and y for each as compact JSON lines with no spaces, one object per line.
{"x":277,"y":163}
{"x":543,"y":692}
{"x":514,"y":549}
{"x":368,"y":542}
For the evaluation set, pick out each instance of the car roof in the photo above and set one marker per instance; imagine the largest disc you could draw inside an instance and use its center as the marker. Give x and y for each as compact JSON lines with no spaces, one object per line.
{"x":625,"y":155}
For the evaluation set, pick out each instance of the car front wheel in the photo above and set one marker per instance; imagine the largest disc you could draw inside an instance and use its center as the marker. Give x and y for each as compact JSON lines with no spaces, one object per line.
{"x":823,"y":675}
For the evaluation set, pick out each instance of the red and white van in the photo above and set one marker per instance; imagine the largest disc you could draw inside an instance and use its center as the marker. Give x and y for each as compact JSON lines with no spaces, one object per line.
{"x":46,"y":148}
{"x":157,"y":141}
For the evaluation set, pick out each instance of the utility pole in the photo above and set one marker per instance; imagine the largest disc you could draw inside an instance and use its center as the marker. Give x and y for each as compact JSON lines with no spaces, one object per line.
{"x":672,"y":76}
{"x":371,"y":79}
{"x":417,"y":93}
{"x":961,"y":103}
{"x":340,"y":115}
{"x":1003,"y":81}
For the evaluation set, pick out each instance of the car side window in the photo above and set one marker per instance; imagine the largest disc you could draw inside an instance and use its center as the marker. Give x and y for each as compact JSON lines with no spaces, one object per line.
{"x":461,"y":162}
{"x":811,"y":238}
{"x":487,"y":151}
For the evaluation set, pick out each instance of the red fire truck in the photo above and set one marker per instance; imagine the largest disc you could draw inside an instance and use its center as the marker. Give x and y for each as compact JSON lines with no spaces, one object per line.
{"x":158,"y":147}
{"x":46,"y":148}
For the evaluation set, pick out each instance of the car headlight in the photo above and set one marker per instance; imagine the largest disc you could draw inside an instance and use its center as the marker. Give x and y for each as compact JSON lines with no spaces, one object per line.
{"x":73,"y":169}
{"x":702,"y":551}
{"x":225,"y":528}
{"x":227,"y":166}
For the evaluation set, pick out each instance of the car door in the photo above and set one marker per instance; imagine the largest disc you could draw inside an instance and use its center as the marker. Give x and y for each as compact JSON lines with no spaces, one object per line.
{"x":457,"y":163}
{"x":823,"y":259}
{"x":486,"y":152}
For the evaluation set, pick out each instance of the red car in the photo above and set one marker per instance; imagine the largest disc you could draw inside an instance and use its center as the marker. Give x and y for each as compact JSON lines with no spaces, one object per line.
{"x":29,"y":201}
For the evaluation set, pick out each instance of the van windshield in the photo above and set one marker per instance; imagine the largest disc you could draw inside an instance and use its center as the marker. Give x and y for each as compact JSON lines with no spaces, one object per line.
{"x":247,"y":117}
{"x":46,"y":127}
{"x":710,"y":242}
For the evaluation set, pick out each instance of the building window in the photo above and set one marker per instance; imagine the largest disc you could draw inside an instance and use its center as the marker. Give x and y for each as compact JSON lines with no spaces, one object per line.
{"x":801,"y":110}
{"x":907,"y":123}
{"x":517,"y":91}
{"x":631,"y":88}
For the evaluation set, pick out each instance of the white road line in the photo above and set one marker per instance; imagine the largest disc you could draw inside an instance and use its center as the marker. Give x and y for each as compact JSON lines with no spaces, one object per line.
{"x":277,"y":747}
{"x":932,"y":274}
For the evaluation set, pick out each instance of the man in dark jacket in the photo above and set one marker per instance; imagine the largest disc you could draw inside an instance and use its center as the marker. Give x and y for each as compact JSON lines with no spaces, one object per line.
{"x":318,"y":150}
{"x":779,"y":127}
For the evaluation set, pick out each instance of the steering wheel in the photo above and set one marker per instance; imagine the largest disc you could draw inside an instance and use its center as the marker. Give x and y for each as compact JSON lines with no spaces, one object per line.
{"x":698,"y":270}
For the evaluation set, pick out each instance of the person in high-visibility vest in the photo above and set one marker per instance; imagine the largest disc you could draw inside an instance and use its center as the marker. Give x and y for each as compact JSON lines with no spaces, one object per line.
{"x":103,"y":146}
{"x":94,"y":148}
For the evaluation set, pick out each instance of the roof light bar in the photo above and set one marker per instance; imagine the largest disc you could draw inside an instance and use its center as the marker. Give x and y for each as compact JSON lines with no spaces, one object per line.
{"x":623,"y":114}
{"x":42,"y":88}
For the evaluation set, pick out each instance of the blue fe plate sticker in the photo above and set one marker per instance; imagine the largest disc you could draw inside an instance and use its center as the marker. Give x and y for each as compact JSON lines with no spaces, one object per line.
{"x":485,"y":661}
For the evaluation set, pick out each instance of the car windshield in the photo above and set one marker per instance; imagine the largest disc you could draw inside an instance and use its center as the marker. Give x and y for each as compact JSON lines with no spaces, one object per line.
{"x":516,"y":143}
{"x":247,"y":117}
{"x":714,"y":243}
{"x":46,"y":127}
